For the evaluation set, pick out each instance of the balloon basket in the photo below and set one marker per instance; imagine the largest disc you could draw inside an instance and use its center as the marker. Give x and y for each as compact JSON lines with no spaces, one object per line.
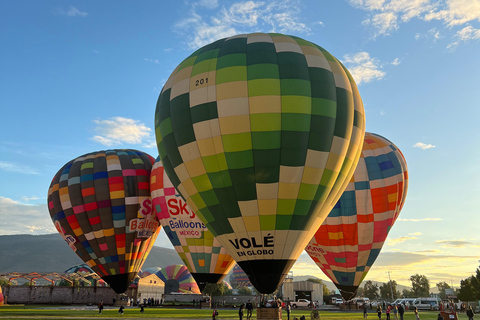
{"x":449,"y":315}
{"x":269,"y":313}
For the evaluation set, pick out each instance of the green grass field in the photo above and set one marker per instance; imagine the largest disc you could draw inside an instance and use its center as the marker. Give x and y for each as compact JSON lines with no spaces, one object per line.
{"x":82,"y":312}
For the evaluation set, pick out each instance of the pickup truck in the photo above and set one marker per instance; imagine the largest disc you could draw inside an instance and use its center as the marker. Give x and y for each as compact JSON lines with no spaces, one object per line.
{"x":301,"y":303}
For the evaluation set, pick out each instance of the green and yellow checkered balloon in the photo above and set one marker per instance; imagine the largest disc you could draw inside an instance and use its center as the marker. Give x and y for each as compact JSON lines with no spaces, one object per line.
{"x":257,"y":132}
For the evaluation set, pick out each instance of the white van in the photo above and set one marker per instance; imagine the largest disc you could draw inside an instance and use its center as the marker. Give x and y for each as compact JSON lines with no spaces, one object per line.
{"x":407,"y":303}
{"x":427,"y":303}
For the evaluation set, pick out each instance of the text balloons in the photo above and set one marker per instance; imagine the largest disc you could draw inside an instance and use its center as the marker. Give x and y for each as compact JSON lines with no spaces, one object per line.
{"x":100,"y":203}
{"x":258,"y":132}
{"x":203,"y":255}
{"x":350,"y":239}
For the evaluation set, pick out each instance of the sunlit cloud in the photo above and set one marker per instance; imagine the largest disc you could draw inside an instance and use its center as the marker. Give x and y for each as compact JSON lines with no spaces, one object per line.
{"x":17,"y":168}
{"x":423,"y":146}
{"x":456,"y":12}
{"x":411,"y":236}
{"x":419,"y":220}
{"x":18,"y":218}
{"x":456,"y":243}
{"x":70,"y":12}
{"x":363,"y":68}
{"x":464,"y":35}
{"x":207,"y":23}
{"x":386,"y":16}
{"x":119,"y":130}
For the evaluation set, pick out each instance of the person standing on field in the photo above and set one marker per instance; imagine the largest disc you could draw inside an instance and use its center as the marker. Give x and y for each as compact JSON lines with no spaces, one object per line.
{"x":470,"y":313}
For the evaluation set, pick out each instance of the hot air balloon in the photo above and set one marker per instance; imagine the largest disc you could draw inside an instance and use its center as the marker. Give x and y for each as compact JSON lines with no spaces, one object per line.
{"x":258,"y":132}
{"x":350,"y":239}
{"x":100,"y":204}
{"x":177,"y":278}
{"x":239,"y":278}
{"x":2,"y":298}
{"x":203,"y":255}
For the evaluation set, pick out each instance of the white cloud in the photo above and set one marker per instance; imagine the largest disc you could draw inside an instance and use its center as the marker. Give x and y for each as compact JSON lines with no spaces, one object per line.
{"x":118,"y":130}
{"x":457,"y":12}
{"x":423,"y":146}
{"x":396,"y":61}
{"x":17,"y":168}
{"x":385,"y":16}
{"x":464,"y":35}
{"x":17,"y":218}
{"x":433,"y":34}
{"x":419,"y":220}
{"x":71,"y":12}
{"x":240,"y":17}
{"x":156,"y":61}
{"x":211,"y":4}
{"x":364,"y":68}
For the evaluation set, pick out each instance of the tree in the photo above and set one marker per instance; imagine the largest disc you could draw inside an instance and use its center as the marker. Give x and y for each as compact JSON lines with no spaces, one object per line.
{"x":407,"y":293}
{"x":370,"y":290}
{"x":245,"y":291}
{"x":470,"y":288}
{"x":4,"y":281}
{"x":386,"y":290}
{"x":420,"y":285}
{"x":214,"y":289}
{"x":466,"y":292}
{"x":325,"y":290}
{"x":441,"y":286}
{"x":315,"y":280}
{"x":360,"y":292}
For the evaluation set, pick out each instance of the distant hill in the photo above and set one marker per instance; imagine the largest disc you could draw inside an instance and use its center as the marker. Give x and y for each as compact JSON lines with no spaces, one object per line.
{"x":49,"y":253}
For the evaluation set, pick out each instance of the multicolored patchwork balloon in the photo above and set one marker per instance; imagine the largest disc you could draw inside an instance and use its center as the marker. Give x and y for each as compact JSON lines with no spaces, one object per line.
{"x":177,"y":278}
{"x":100,"y":203}
{"x":2,"y":298}
{"x":350,"y":239}
{"x":260,"y":133}
{"x":239,"y":278}
{"x":205,"y":258}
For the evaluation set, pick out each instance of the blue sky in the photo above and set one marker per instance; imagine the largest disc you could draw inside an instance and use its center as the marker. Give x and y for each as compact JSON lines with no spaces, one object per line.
{"x":80,"y":76}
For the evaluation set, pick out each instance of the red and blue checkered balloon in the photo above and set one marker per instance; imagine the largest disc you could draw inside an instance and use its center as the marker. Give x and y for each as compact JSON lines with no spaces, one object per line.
{"x":350,"y":239}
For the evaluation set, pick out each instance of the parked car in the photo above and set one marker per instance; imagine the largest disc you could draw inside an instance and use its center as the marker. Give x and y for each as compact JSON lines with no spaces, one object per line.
{"x":301,"y":303}
{"x":361,"y":301}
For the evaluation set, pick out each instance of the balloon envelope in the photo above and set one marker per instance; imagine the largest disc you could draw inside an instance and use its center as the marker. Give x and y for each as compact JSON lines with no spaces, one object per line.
{"x":350,"y":239}
{"x":205,"y":258}
{"x":257,"y":132}
{"x":177,"y":278}
{"x":2,"y":299}
{"x":100,"y":203}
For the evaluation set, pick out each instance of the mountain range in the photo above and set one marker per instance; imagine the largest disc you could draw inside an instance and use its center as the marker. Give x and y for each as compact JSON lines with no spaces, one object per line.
{"x":49,"y":253}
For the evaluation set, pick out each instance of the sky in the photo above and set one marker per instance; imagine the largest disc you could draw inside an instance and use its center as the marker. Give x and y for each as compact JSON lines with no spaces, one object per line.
{"x":81,"y":76}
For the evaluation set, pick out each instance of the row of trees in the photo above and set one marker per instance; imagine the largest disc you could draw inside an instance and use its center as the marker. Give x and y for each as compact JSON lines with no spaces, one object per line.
{"x":420,"y":288}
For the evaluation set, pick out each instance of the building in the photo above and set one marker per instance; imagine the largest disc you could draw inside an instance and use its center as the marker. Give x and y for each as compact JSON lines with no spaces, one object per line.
{"x":312,"y":291}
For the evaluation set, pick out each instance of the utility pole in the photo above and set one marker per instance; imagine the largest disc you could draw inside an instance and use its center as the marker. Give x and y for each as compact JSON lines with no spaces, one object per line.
{"x":391,"y":287}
